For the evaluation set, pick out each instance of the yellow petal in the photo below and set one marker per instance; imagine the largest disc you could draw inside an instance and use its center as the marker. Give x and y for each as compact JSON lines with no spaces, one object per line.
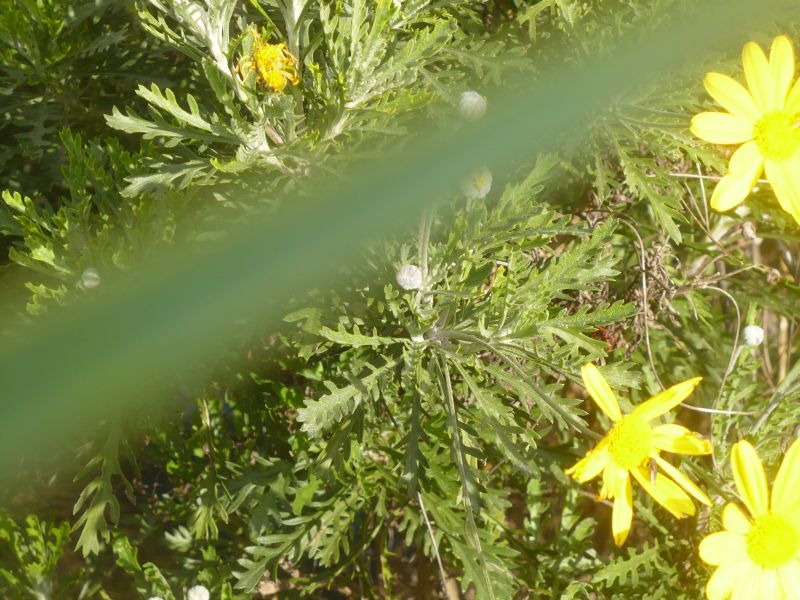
{"x":614,"y":478}
{"x":666,"y":400}
{"x":589,"y":466}
{"x":683,"y":481}
{"x":759,"y":76}
{"x":600,"y":391}
{"x":792,"y":105}
{"x":723,"y":547}
{"x":743,"y":172}
{"x":748,"y":582}
{"x":734,"y":520}
{"x":790,"y":578}
{"x":746,"y":162}
{"x":784,"y":177}
{"x":781,"y":62}
{"x":786,"y":487}
{"x":679,"y":440}
{"x":762,"y":586}
{"x":671,"y":430}
{"x":622,"y":515}
{"x":748,"y":473}
{"x":732,"y":96}
{"x":729,"y":193}
{"x":666,"y":492}
{"x":722,"y":581}
{"x":721,"y":128}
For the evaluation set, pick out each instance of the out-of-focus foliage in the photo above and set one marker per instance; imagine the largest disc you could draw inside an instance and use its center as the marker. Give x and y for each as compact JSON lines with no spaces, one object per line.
{"x":385,"y":442}
{"x":64,"y":64}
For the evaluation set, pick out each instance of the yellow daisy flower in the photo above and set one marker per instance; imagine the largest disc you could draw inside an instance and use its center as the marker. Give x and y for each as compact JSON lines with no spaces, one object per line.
{"x":274,"y":65}
{"x":763,"y":121}
{"x":758,"y":555}
{"x":633,"y":448}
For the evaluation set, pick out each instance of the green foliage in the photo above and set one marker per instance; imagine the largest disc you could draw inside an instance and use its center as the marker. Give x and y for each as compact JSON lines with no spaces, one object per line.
{"x":466,"y":371}
{"x":627,"y":572}
{"x":52,"y":52}
{"x":93,"y":227}
{"x":30,"y":555}
{"x":98,"y":497}
{"x":149,"y":580}
{"x":382,"y":435}
{"x":354,"y":75}
{"x":319,"y":416}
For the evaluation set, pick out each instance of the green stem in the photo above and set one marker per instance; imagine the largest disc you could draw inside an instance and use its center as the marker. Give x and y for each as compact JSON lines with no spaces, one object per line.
{"x":452,"y":417}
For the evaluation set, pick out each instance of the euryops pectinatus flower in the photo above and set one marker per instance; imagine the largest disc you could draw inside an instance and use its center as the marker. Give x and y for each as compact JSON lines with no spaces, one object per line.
{"x":763,"y":121}
{"x":274,"y":65}
{"x":757,"y":555}
{"x":633,"y":449}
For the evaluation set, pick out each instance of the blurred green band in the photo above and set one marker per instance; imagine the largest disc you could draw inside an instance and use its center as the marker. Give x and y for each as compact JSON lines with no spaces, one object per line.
{"x":72,"y":369}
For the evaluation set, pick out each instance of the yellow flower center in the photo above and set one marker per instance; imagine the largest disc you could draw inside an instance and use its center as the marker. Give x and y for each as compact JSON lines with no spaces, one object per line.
{"x":631,"y":441}
{"x":776,"y":136}
{"x":772,"y":541}
{"x":481,"y":179}
{"x":275,"y":65}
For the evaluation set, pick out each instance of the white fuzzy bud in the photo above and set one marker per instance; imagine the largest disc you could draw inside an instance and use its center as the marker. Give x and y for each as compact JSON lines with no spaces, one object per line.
{"x":471,"y":105}
{"x":155,"y":598}
{"x":478,"y":185}
{"x":90,"y":278}
{"x":753,"y":335}
{"x":409,"y":277}
{"x":742,"y":211}
{"x":198,"y":592}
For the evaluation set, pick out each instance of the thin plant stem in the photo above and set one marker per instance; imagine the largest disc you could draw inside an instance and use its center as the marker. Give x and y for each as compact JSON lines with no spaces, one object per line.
{"x":434,"y":545}
{"x":731,"y":361}
{"x":426,"y":222}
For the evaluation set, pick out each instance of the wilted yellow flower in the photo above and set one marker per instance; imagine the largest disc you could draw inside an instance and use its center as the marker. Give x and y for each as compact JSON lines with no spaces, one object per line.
{"x":633,"y":448}
{"x":274,"y":65}
{"x":763,"y":121}
{"x":758,"y":555}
